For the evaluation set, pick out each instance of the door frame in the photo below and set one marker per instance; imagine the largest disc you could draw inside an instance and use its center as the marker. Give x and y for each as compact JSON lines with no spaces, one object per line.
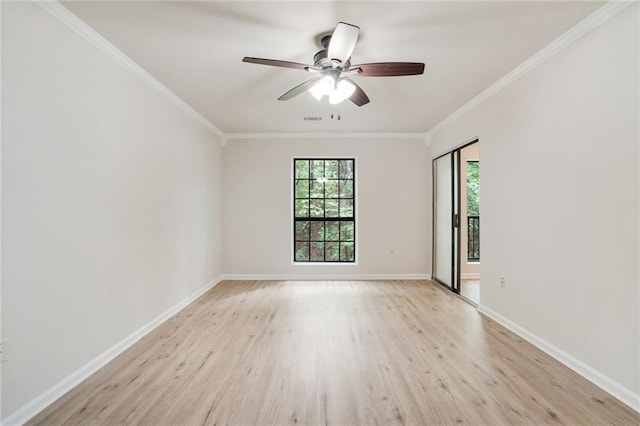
{"x":455,"y":220}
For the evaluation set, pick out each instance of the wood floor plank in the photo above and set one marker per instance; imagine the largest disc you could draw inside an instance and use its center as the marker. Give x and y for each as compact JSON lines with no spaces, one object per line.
{"x":333,"y":353}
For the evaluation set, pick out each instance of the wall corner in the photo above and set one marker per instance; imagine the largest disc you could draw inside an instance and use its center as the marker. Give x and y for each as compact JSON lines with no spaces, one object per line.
{"x":427,"y":139}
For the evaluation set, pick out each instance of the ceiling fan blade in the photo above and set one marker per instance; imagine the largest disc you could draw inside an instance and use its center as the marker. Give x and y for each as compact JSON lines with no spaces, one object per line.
{"x":299,"y":89}
{"x":359,"y":97}
{"x":276,"y":63}
{"x":343,"y":41}
{"x":390,"y":69}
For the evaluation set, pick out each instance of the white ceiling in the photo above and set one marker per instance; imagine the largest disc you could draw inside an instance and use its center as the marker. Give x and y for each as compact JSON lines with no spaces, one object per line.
{"x":196,"y":50}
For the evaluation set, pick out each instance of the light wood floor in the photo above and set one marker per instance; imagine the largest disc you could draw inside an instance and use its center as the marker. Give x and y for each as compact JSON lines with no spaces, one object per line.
{"x":334,"y":353}
{"x":470,"y":289}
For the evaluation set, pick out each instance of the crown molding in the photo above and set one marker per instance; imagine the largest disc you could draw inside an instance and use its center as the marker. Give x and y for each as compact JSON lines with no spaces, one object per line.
{"x":71,"y":21}
{"x":591,"y":22}
{"x":66,"y":17}
{"x":323,"y":135}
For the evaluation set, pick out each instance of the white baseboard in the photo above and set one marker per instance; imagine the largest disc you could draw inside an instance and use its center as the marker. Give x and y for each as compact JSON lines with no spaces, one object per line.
{"x":32,"y":408}
{"x":470,"y":276}
{"x":339,"y":277}
{"x":609,"y":385}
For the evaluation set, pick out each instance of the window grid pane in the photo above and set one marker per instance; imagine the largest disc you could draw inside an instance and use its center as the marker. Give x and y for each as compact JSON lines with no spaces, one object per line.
{"x":324,"y":210}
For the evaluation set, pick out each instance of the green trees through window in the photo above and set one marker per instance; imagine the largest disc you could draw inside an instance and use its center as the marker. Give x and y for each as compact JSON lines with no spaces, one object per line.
{"x":473,"y":211}
{"x":473,"y":188}
{"x":324,"y":210}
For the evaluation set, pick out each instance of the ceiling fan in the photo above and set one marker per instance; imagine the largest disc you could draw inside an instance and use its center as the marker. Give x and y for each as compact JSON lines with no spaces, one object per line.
{"x":333,"y":68}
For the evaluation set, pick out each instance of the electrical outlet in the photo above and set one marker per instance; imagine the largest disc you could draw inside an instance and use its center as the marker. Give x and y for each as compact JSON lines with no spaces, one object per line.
{"x":391,"y":252}
{"x":502,"y":283}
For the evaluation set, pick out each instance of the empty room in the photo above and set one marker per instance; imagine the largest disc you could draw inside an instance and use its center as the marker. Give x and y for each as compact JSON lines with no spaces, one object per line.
{"x":320,"y":212}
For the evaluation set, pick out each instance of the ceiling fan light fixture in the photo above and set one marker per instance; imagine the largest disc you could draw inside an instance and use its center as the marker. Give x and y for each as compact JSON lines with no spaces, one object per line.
{"x":343,"y":91}
{"x":323,"y":87}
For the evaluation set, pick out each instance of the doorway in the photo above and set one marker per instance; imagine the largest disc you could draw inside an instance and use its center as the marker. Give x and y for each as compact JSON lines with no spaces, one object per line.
{"x":456,"y":221}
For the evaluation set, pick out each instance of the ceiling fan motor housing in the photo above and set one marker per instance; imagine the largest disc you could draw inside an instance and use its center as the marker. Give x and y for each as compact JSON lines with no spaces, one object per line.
{"x":322,"y":61}
{"x":324,"y":41}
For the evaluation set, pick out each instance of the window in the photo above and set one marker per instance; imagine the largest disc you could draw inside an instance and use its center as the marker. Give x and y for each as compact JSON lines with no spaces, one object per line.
{"x":324,"y":225}
{"x":473,"y":211}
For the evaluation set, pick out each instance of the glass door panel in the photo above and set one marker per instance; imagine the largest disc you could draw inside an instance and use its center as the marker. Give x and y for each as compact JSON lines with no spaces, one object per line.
{"x":442,"y":217}
{"x":455,"y":252}
{"x":446,"y":217}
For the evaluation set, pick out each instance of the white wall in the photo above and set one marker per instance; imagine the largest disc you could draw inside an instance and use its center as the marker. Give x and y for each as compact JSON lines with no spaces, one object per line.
{"x":560,"y":201}
{"x":111,"y":203}
{"x":393,"y":211}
